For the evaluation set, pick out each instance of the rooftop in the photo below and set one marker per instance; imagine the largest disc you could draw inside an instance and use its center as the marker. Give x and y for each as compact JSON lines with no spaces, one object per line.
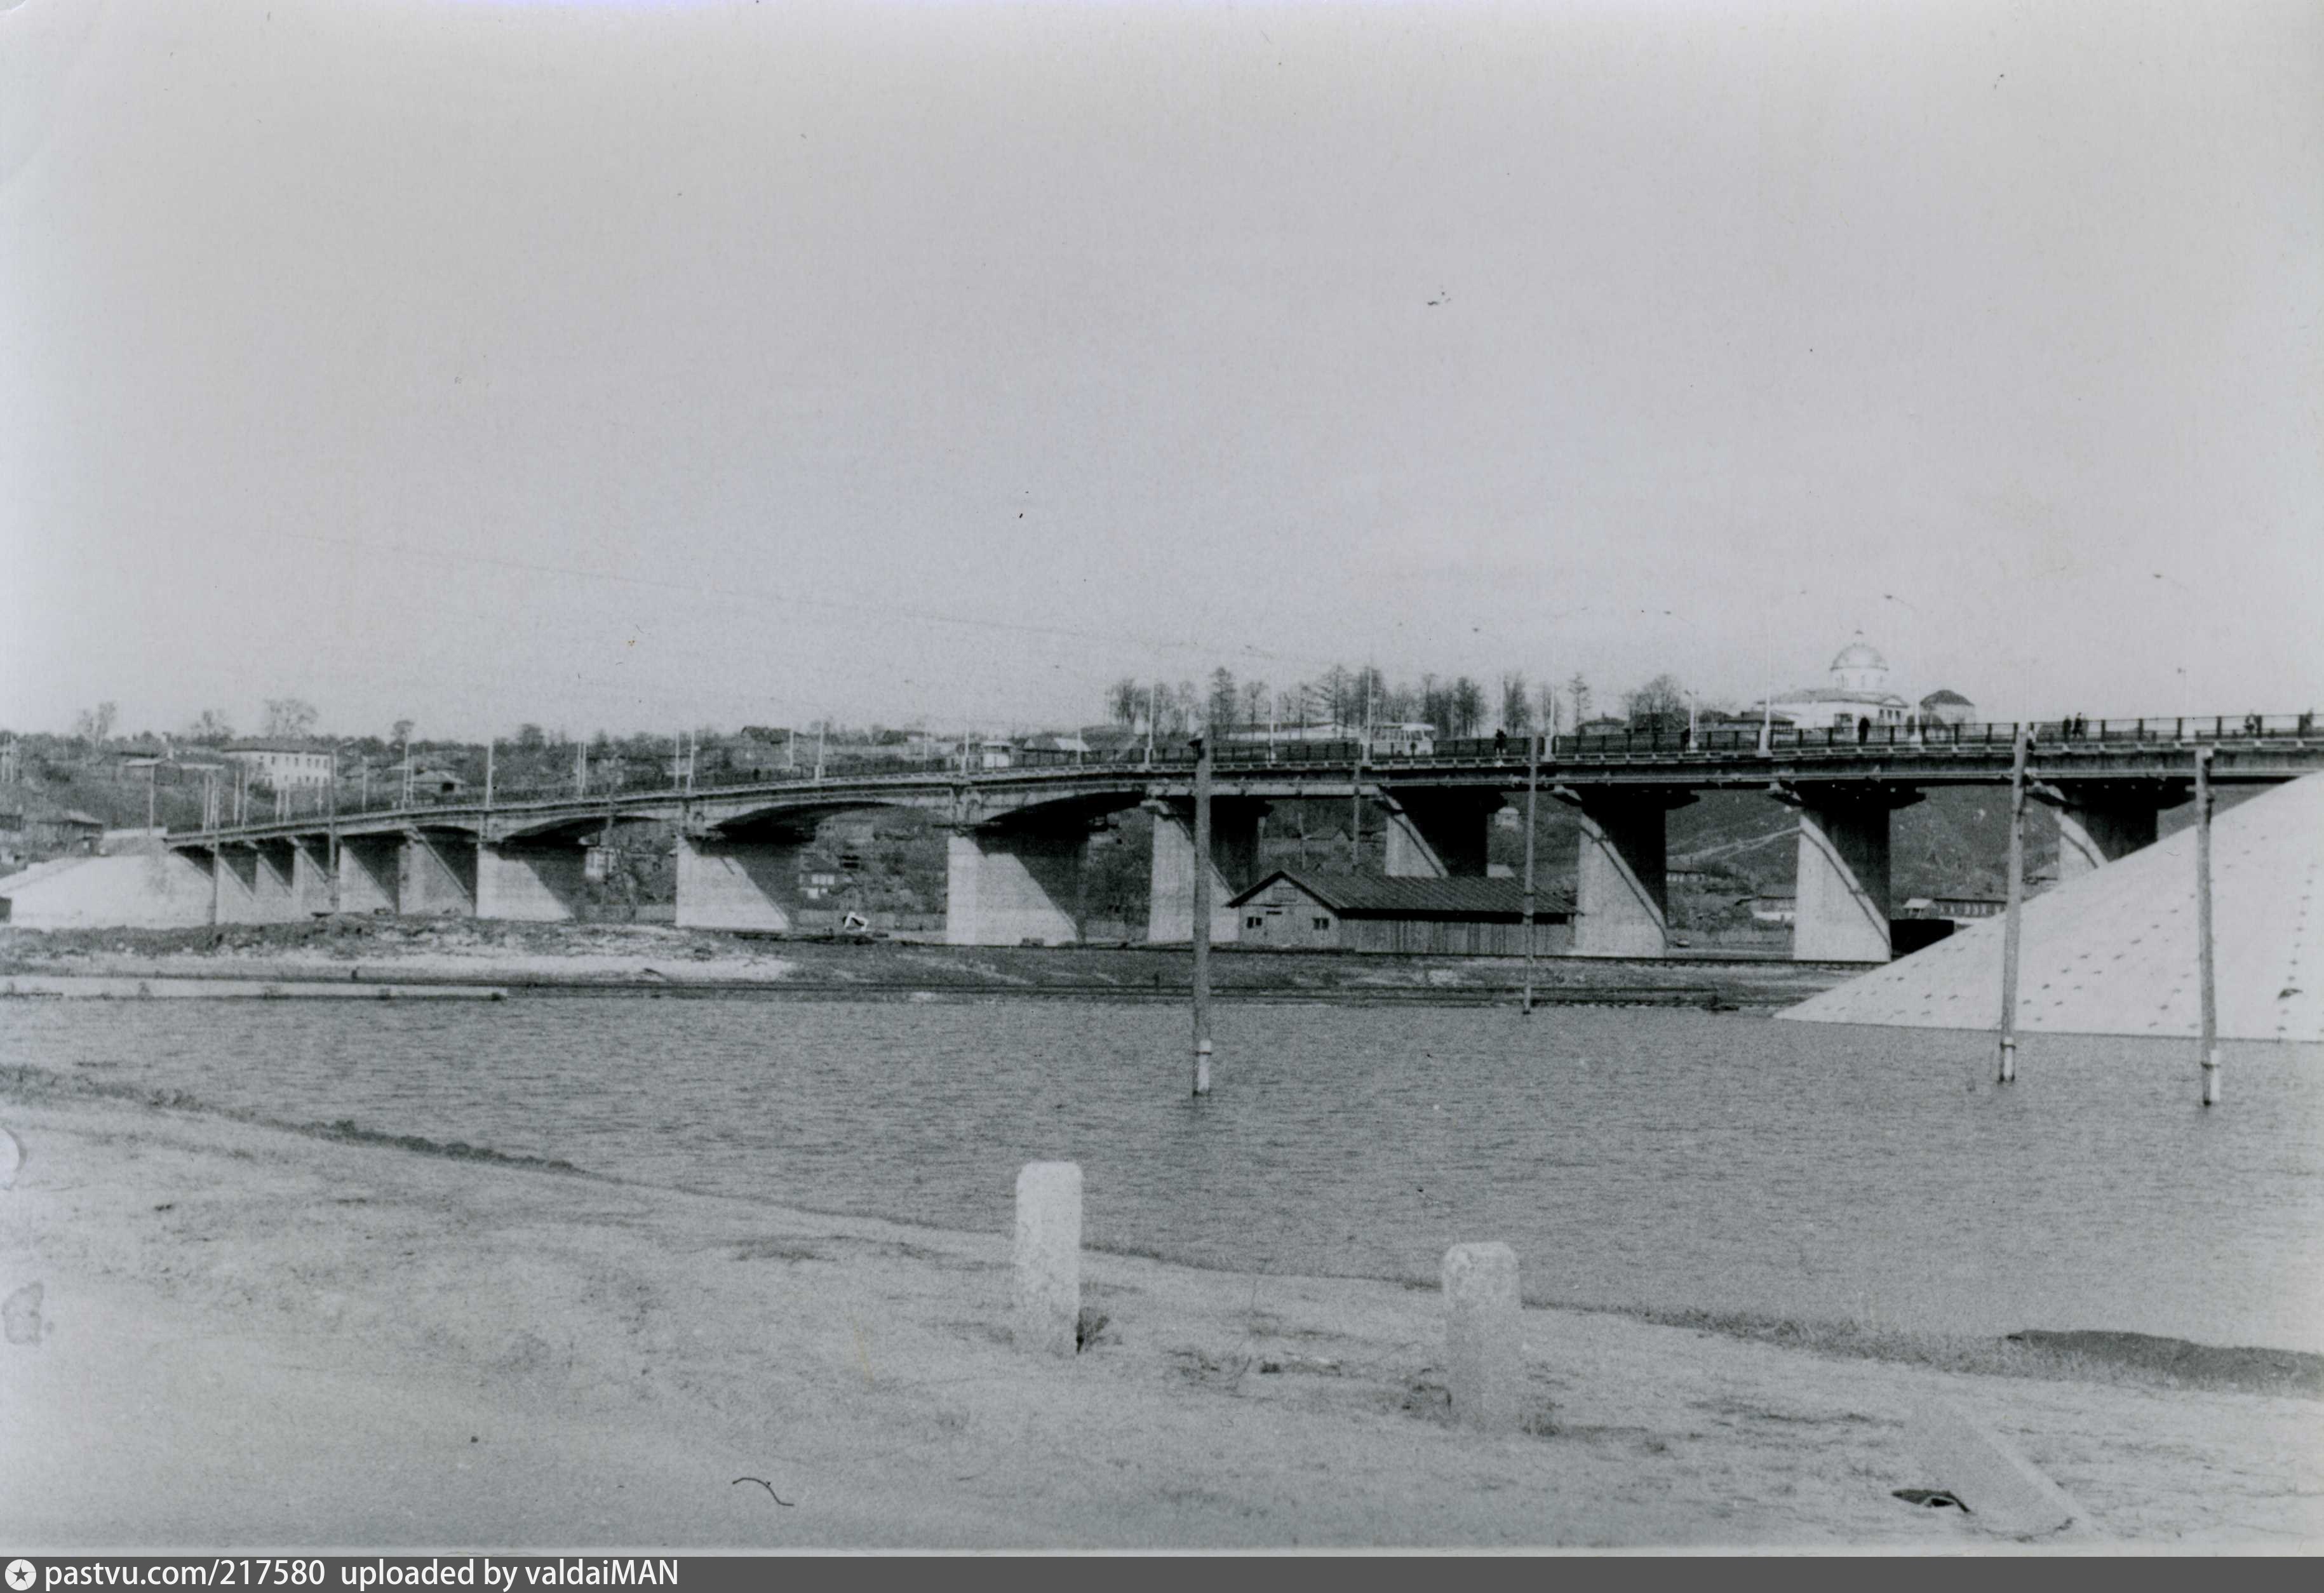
{"x":1368,"y":896}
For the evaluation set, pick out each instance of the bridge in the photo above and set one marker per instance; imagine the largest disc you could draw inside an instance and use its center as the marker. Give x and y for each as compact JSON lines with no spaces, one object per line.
{"x":1018,"y":836}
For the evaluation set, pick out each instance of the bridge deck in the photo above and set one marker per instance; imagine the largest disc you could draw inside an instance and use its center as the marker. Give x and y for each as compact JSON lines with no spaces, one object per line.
{"x":2247,"y":749}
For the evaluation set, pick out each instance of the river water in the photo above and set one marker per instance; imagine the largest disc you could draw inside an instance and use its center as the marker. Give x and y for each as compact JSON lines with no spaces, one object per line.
{"x":1634,"y":1157}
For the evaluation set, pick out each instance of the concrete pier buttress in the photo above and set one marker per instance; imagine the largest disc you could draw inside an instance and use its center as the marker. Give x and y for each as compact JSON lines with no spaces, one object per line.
{"x":1005,"y":887}
{"x":310,"y":875}
{"x":1233,"y":862}
{"x":234,"y":879}
{"x":1438,"y":834}
{"x":1843,"y":899}
{"x":274,"y":891}
{"x":369,"y":867}
{"x":437,"y":877}
{"x":728,"y":883}
{"x":1622,"y":889}
{"x":2101,"y":821}
{"x":534,"y":884}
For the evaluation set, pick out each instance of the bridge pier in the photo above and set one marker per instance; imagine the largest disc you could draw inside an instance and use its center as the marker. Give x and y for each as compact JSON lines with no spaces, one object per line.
{"x":2100,"y":820}
{"x":539,"y":883}
{"x":1622,"y":890}
{"x":1842,"y":897}
{"x":1004,"y":886}
{"x":1438,"y":834}
{"x":436,"y":875}
{"x":310,"y":875}
{"x":369,"y":867}
{"x":1234,"y":863}
{"x":234,"y":885}
{"x":726,"y":882}
{"x":274,"y":896}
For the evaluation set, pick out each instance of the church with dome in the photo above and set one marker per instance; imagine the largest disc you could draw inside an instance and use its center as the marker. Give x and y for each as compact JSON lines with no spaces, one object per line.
{"x":1857,"y":693}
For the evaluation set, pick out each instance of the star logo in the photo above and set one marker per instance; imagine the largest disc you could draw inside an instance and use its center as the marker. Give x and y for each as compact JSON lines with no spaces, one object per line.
{"x":21,"y":1575}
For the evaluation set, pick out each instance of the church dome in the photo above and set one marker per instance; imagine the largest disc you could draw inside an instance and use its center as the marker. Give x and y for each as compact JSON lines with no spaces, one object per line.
{"x":1858,"y":654}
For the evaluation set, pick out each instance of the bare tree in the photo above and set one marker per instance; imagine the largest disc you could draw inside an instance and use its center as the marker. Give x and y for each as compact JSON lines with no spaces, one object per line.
{"x":1545,"y":703}
{"x":402,"y":732}
{"x":1255,"y":698}
{"x":1517,"y":708}
{"x":289,"y":719}
{"x":1124,"y":702}
{"x":1218,"y":708}
{"x":1468,"y":706}
{"x":211,"y":728}
{"x":1578,"y":691}
{"x":1659,"y":705}
{"x":96,"y":724}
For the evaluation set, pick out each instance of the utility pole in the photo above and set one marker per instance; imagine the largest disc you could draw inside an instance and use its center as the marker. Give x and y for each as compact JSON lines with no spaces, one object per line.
{"x":1533,"y":785}
{"x":152,"y":773}
{"x":491,"y":744}
{"x":407,"y":771}
{"x":1152,"y":706}
{"x":1202,"y":924}
{"x":2209,"y":1040}
{"x":2016,"y":905}
{"x":580,"y":769}
{"x":821,"y":727}
{"x":693,"y":750}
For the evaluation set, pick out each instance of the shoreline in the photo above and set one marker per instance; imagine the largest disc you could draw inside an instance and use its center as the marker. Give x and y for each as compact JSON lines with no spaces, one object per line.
{"x":450,"y":1348}
{"x":560,"y":958}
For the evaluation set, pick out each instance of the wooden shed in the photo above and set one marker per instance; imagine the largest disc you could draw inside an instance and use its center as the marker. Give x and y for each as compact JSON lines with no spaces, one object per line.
{"x":1358,"y":913}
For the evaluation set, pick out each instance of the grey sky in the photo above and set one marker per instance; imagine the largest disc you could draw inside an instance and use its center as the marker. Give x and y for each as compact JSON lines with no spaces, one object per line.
{"x":633,"y":366}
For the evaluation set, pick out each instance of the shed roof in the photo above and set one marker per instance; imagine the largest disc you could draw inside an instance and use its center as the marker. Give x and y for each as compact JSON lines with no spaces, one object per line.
{"x":1364,"y":896}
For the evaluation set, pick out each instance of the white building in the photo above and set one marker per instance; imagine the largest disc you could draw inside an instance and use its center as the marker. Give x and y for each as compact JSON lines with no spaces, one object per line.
{"x":281,"y":764}
{"x":1859,"y":692}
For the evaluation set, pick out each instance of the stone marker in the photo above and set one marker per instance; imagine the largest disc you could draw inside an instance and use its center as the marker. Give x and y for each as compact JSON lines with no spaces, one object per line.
{"x":1048,"y":1257}
{"x":1985,"y":1471}
{"x":1480,"y":1335}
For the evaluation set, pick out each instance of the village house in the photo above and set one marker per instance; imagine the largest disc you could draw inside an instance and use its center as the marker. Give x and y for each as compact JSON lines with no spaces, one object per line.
{"x":1358,"y":913}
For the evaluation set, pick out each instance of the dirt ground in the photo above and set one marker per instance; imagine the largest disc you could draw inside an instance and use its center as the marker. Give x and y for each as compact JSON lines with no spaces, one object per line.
{"x":227,"y":1334}
{"x":543,"y":955}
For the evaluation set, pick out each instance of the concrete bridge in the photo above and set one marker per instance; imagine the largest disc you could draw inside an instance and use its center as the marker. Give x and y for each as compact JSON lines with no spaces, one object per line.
{"x":1018,"y":836}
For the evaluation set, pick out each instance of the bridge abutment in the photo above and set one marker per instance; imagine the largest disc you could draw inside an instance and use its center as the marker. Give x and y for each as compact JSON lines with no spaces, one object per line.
{"x":535,"y":884}
{"x":1621,"y":906}
{"x":1234,"y":863}
{"x":1438,"y":834}
{"x":1005,"y":887}
{"x":1843,"y":900}
{"x":724,"y":883}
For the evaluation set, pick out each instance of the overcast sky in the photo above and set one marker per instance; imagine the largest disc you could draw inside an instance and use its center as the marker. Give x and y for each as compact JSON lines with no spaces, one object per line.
{"x":629,"y":365}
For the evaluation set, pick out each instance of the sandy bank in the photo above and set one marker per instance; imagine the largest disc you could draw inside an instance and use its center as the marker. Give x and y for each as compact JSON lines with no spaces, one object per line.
{"x":246,"y":1336}
{"x":638,"y":956}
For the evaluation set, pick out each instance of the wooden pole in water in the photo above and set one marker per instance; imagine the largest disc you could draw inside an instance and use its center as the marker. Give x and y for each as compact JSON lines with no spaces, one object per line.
{"x":2009,"y":938}
{"x":1533,"y":785}
{"x":2209,"y":1041}
{"x":1202,"y":915}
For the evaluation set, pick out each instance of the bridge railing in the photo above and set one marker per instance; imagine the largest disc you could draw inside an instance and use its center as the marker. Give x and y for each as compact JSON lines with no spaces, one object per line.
{"x":1713,"y":742}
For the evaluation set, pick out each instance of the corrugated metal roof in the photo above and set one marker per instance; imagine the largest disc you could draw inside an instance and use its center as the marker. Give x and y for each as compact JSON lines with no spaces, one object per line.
{"x":1370,"y":896}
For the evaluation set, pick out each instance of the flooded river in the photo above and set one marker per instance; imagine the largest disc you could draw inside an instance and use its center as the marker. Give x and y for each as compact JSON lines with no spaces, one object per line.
{"x":1661,"y":1158}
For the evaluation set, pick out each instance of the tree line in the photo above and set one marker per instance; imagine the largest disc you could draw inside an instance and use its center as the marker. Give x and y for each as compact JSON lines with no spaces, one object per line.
{"x":1458,"y":706}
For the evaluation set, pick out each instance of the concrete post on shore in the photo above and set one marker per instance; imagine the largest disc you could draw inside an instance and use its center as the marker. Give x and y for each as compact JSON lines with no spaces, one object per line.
{"x":1481,"y":1324}
{"x":1048,"y":1258}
